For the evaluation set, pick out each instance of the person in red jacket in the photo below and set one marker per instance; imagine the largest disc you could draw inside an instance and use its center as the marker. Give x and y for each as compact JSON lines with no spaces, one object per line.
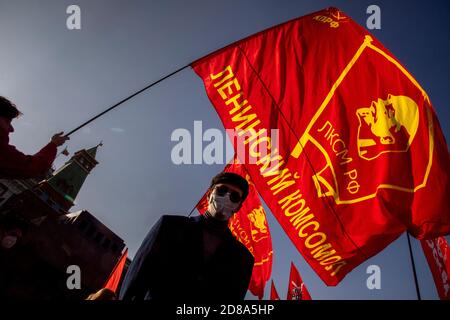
{"x":13,"y":163}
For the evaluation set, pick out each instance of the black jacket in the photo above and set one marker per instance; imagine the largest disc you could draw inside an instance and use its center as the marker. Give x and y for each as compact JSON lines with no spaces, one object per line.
{"x":170,"y":265}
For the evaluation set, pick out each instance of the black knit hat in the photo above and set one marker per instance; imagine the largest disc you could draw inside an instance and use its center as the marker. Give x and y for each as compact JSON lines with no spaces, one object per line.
{"x":233,"y":179}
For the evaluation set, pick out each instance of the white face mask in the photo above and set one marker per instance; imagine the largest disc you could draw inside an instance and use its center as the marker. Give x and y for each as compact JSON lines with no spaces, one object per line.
{"x":223,"y":207}
{"x":9,"y":241}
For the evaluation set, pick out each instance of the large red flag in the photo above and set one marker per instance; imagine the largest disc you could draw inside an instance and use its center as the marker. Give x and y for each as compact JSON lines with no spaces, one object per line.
{"x":249,"y":226}
{"x":437,"y":253}
{"x":360,"y":156}
{"x":113,"y":281}
{"x":273,"y":292}
{"x":296,"y":289}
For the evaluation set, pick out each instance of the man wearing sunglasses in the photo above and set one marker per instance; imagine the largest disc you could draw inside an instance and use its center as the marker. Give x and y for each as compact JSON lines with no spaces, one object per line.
{"x":194,"y":258}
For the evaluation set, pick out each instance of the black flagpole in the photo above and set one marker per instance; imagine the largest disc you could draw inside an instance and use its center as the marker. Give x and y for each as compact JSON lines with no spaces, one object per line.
{"x":126,"y":99}
{"x":413,"y":267}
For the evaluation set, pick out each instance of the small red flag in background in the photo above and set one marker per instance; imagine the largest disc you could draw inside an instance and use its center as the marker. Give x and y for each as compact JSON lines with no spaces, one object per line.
{"x":437,"y":253}
{"x":361,"y":157}
{"x":296,"y":289}
{"x":273,"y":292}
{"x":250,"y":227}
{"x":114,"y":278}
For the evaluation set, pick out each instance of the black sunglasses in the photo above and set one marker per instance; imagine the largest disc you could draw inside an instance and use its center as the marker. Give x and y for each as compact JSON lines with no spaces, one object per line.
{"x":234,"y":195}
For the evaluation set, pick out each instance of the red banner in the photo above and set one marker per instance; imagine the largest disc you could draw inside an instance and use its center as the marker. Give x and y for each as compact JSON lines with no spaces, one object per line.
{"x":437,"y":253}
{"x":114,"y":278}
{"x":273,"y":292}
{"x":359,"y":156}
{"x":249,"y":226}
{"x":296,"y":289}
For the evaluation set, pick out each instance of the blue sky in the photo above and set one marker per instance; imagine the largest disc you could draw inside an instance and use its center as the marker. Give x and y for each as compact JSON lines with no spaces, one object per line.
{"x":59,"y":78}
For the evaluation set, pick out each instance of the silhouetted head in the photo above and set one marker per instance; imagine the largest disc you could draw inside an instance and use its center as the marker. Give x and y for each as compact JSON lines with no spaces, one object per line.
{"x":12,"y":229}
{"x":8,"y":112}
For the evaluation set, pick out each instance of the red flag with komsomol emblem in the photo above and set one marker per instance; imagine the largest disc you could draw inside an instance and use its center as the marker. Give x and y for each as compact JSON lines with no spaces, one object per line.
{"x":360,"y":156}
{"x":296,"y":288}
{"x":249,"y":226}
